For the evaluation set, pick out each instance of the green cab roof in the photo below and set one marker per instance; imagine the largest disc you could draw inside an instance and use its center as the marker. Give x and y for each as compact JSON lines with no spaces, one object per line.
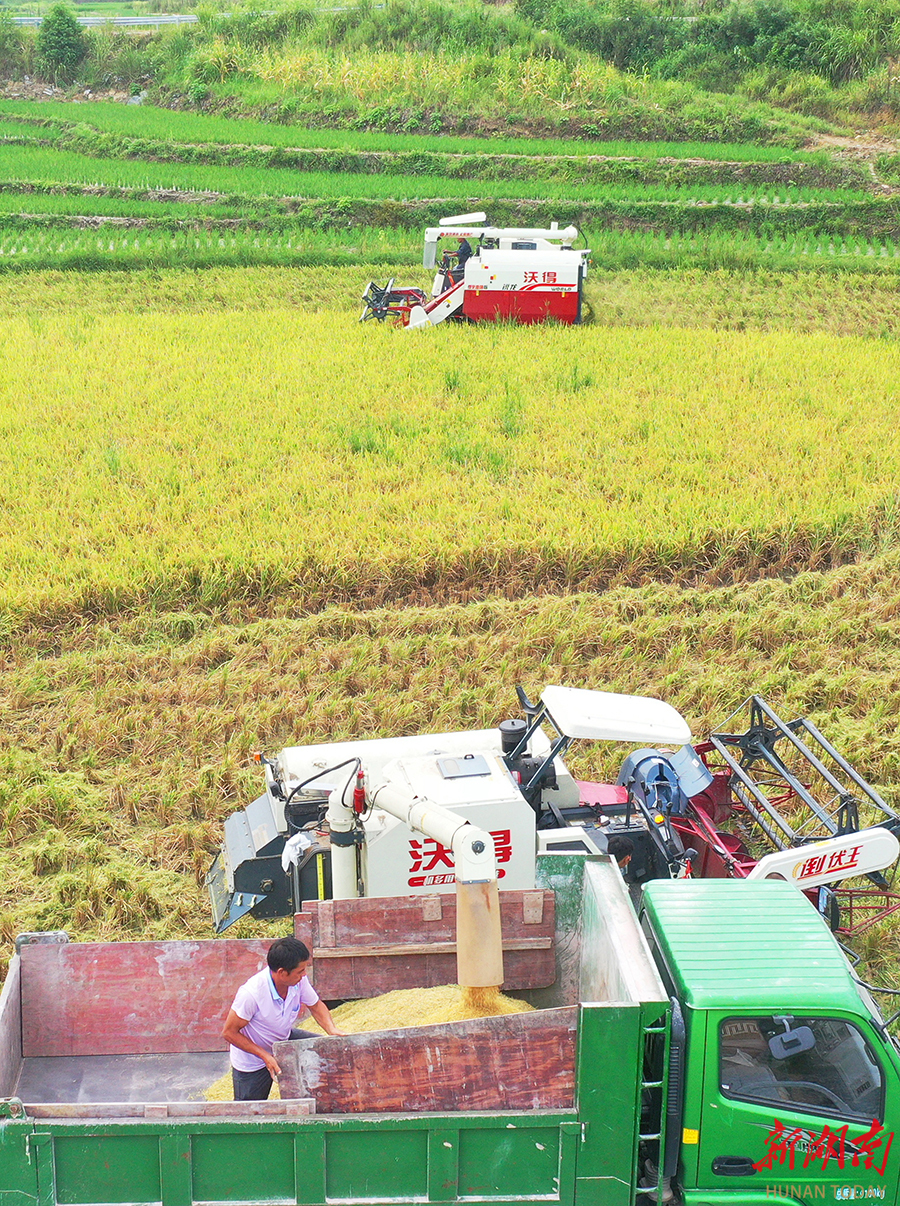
{"x":758,"y":945}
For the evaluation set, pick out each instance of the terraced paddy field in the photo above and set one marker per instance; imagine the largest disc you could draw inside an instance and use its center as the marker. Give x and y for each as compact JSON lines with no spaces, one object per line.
{"x":233,"y":517}
{"x":167,"y":190}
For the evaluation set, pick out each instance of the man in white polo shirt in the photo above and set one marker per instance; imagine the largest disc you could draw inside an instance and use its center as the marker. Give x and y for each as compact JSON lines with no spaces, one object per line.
{"x":263,"y":1013}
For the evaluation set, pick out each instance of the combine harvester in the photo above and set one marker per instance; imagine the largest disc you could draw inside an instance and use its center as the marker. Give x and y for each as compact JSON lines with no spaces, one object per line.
{"x":514,"y":274}
{"x":776,"y":800}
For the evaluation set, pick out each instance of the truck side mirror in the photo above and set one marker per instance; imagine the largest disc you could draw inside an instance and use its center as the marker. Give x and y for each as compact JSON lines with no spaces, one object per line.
{"x":792,"y":1042}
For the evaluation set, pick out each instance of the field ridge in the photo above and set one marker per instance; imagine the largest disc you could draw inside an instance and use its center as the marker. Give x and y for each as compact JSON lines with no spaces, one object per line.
{"x":875,"y":217}
{"x":725,"y":558}
{"x":590,"y":168}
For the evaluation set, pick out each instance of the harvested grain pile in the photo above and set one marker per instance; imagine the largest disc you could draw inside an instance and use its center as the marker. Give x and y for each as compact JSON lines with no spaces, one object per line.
{"x":397,"y":1010}
{"x":420,"y":1007}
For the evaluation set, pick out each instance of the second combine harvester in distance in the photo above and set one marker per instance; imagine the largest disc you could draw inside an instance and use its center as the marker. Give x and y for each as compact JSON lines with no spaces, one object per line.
{"x":514,"y":274}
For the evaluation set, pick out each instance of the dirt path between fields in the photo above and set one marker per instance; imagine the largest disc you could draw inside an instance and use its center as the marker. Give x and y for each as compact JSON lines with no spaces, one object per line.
{"x":863,"y":145}
{"x":863,"y":148}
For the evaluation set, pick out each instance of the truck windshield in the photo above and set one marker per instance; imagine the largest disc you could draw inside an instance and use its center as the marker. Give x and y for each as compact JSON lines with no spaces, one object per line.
{"x":819,"y":1065}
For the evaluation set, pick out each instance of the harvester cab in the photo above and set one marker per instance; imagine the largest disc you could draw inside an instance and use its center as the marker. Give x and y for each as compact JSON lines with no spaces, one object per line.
{"x":491,"y":273}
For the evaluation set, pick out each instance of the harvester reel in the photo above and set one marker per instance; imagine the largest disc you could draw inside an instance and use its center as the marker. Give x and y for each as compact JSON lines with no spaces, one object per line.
{"x":383,"y":302}
{"x":377,"y":303}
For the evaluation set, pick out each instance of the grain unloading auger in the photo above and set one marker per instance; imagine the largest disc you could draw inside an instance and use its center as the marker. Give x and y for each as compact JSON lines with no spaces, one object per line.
{"x":383,"y":818}
{"x":515,"y":274}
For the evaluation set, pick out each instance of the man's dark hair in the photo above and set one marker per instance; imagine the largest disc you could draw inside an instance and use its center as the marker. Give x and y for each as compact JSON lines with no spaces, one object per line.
{"x":286,"y":953}
{"x":619,"y":846}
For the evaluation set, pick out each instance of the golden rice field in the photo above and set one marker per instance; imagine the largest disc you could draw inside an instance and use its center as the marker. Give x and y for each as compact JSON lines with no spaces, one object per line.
{"x":157,"y":459}
{"x":233,"y":518}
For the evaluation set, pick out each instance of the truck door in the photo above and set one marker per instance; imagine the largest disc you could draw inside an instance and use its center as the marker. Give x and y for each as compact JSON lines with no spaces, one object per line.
{"x":797,"y":1108}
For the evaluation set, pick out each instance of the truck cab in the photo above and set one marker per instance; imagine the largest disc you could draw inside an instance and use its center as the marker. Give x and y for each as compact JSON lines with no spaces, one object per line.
{"x":791,"y":1083}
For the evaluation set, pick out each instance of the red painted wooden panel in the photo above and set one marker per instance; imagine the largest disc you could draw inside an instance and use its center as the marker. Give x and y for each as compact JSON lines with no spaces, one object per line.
{"x":417,"y":921}
{"x":128,"y":998}
{"x":11,"y":1030}
{"x":521,"y":1061}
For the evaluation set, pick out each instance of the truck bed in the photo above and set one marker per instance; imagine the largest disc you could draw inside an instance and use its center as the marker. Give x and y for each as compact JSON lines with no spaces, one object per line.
{"x":140,"y":1022}
{"x":122,"y":1029}
{"x":81,"y":1024}
{"x":119,"y":1078}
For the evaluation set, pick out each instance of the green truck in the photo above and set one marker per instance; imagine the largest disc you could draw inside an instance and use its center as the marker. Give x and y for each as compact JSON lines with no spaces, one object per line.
{"x":716,"y":1047}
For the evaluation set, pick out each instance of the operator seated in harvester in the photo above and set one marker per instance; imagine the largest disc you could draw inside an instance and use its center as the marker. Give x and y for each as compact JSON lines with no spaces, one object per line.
{"x":462,"y":255}
{"x":621,"y":849}
{"x":263,"y":1013}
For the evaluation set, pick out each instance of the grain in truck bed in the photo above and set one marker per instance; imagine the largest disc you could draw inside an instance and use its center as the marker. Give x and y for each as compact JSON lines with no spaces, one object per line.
{"x":96,"y":1029}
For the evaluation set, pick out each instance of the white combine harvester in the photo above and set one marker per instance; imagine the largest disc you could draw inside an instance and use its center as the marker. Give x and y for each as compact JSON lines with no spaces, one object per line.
{"x":517,"y":274}
{"x":431,"y":813}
